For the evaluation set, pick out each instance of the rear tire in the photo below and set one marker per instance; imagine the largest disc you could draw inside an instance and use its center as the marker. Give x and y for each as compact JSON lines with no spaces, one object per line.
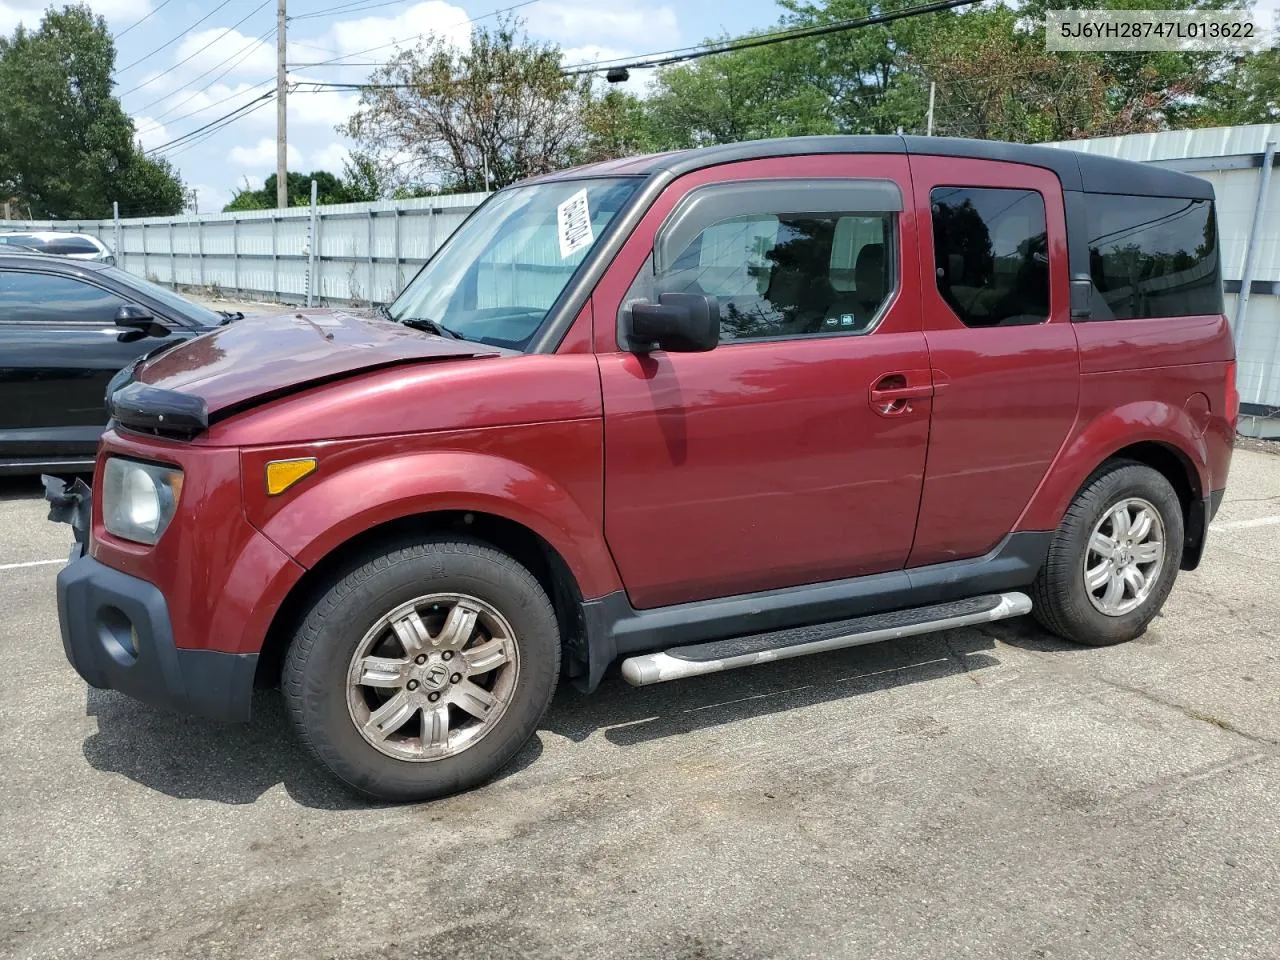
{"x":422,"y":670}
{"x":1114,"y":558}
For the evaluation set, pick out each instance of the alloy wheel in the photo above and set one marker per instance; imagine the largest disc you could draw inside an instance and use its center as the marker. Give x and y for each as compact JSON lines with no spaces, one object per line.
{"x":1124,"y":557}
{"x":432,"y":677}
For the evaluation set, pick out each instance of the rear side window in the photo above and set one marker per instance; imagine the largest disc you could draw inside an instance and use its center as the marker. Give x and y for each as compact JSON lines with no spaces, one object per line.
{"x":1152,"y":257}
{"x":991,"y":254}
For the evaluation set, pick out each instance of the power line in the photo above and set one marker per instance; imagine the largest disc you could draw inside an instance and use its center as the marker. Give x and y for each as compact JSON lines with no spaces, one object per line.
{"x":347,"y":8}
{"x":680,"y":55}
{"x":147,"y":16}
{"x":393,"y":43}
{"x":196,"y":53}
{"x":209,"y":106}
{"x":746,"y":43}
{"x":227,"y":117}
{"x":238,"y":58}
{"x":148,"y":56}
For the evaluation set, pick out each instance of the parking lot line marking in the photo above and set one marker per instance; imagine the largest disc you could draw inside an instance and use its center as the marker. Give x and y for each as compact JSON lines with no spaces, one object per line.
{"x":29,"y":563}
{"x":1245,"y":524}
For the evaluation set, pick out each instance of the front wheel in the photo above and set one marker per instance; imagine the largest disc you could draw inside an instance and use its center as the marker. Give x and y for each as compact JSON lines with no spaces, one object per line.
{"x":1114,"y":558}
{"x":423,"y":670}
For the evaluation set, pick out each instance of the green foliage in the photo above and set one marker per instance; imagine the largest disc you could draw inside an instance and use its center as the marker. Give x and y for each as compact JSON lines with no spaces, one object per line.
{"x":501,"y":109}
{"x":352,"y":188}
{"x":66,"y":146}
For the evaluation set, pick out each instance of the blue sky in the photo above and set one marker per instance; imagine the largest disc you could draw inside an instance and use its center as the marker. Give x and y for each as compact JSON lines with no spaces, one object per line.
{"x":177,"y":71}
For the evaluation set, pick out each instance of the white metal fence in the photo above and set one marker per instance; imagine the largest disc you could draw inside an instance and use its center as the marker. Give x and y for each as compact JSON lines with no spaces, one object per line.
{"x":366,"y":252}
{"x":363,"y":252}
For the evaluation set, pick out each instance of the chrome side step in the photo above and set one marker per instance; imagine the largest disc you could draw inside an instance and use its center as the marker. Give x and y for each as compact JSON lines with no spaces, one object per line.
{"x":718,"y":655}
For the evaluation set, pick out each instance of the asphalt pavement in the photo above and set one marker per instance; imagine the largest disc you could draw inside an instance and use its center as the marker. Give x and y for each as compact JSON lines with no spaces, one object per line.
{"x":978,"y":793}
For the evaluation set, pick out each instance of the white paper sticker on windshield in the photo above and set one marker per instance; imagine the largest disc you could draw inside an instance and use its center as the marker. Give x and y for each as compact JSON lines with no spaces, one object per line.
{"x":574,"y":220}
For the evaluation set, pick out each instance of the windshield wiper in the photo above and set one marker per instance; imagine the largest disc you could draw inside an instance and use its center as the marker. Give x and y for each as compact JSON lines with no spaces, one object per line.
{"x":429,"y":326}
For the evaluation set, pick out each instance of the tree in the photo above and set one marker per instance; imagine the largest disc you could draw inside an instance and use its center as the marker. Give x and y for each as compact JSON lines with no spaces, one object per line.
{"x":501,"y":109}
{"x":329,"y":189}
{"x":66,"y":147}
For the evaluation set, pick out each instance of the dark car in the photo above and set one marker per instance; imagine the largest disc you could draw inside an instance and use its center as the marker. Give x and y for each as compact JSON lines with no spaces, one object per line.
{"x":60,"y":344}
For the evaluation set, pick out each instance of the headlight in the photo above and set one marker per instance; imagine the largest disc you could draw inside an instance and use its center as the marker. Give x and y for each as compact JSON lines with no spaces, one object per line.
{"x":139,"y":499}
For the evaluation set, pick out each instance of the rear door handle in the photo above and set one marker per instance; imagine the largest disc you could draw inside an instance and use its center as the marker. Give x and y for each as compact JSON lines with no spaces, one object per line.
{"x":891,"y":394}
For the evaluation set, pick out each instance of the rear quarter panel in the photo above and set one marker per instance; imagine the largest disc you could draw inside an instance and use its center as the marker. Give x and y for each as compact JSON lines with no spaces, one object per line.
{"x":1161,"y":380}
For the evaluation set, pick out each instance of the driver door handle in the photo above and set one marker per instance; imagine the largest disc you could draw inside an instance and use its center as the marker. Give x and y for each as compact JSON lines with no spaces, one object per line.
{"x":891,"y":394}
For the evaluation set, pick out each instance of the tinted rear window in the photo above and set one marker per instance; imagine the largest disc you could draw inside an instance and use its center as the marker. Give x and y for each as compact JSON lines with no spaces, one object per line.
{"x":1152,"y":257}
{"x":69,"y":245}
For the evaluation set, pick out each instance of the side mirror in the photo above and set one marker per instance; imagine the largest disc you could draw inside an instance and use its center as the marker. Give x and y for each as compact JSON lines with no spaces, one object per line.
{"x":678,"y":322}
{"x":139,"y":322}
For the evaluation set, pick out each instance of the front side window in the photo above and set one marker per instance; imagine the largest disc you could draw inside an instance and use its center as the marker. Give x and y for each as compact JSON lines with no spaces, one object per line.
{"x":786,"y":275}
{"x":497,"y":277}
{"x":42,"y":297}
{"x":1152,"y":257}
{"x":991,"y":254}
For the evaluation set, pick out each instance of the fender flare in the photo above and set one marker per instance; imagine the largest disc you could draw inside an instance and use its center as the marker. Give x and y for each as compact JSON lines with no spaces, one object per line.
{"x":1109,"y":433}
{"x":322,"y":517}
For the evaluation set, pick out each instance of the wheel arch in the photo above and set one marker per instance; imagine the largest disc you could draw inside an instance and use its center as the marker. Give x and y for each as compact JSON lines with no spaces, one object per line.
{"x":520,"y":542}
{"x":1175,"y":450}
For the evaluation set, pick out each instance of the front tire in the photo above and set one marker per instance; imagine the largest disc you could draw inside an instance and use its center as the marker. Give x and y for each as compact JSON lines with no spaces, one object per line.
{"x":424,"y":669}
{"x":1114,"y":558}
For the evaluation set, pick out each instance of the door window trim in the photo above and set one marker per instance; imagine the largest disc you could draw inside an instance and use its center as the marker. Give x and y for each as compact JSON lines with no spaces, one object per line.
{"x":933,"y":248}
{"x":712,"y":203}
{"x":47,"y":324}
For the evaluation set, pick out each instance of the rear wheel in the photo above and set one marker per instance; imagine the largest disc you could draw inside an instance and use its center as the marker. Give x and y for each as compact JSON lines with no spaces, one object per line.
{"x":1114,"y":558}
{"x":423,"y":670}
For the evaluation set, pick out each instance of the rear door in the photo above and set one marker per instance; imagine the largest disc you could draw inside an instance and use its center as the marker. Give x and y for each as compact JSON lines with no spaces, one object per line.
{"x":783,"y":456}
{"x":59,"y":347}
{"x":1002,"y":347}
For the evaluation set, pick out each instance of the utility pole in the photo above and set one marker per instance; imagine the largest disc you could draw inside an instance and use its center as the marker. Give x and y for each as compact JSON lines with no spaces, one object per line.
{"x":933,"y":88}
{"x":282,"y":113}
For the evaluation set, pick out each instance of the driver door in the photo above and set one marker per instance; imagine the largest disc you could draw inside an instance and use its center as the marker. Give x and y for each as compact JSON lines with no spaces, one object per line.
{"x":59,"y":347}
{"x":773,"y":460}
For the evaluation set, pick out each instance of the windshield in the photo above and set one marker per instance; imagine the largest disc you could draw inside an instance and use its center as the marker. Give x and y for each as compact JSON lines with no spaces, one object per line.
{"x":178,"y":304}
{"x":495,"y":279}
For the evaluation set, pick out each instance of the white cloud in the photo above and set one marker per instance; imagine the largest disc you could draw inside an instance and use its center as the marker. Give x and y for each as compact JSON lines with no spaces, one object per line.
{"x":431,"y":18}
{"x":150,"y":133}
{"x":324,"y":108}
{"x":210,"y":199}
{"x":218,"y":47}
{"x":332,"y":158}
{"x":262,"y":155}
{"x":584,"y":21}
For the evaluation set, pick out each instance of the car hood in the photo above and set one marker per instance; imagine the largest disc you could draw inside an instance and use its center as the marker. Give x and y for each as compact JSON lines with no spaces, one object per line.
{"x":266,"y":356}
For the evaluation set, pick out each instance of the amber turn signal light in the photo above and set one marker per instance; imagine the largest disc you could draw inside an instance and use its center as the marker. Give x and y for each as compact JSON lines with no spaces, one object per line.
{"x":283,"y":474}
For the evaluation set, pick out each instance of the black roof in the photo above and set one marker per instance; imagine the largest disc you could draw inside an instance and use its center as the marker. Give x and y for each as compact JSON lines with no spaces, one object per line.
{"x":1075,"y":170}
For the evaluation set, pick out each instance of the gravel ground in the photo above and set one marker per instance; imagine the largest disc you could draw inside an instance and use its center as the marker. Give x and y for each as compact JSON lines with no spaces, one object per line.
{"x":978,"y":793}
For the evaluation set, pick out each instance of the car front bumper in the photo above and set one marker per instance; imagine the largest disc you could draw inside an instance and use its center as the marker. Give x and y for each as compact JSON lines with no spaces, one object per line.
{"x":116,"y":632}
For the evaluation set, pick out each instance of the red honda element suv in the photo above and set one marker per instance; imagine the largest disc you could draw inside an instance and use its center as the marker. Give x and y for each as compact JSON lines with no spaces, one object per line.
{"x":692,"y":411}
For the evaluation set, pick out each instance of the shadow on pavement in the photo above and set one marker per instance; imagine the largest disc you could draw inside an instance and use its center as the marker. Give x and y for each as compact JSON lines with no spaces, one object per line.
{"x":21,"y":488}
{"x":188,"y":757}
{"x":630,"y":715}
{"x":193,"y":758}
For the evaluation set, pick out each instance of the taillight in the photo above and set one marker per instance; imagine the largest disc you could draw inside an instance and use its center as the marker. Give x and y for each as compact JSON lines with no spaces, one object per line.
{"x":1233,"y":396}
